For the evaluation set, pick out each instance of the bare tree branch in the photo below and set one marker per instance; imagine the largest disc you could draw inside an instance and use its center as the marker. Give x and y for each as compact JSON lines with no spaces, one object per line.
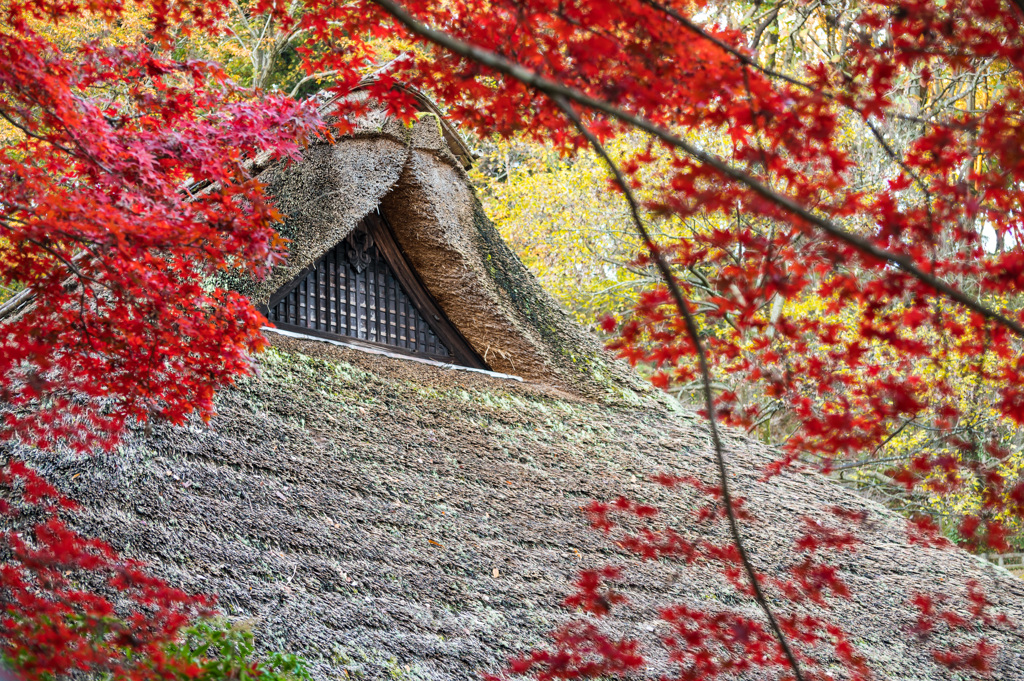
{"x":753,"y":63}
{"x":772,"y":15}
{"x":312,"y":76}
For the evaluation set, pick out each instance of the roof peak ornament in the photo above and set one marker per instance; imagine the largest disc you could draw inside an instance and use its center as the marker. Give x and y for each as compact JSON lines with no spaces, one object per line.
{"x":360,"y":245}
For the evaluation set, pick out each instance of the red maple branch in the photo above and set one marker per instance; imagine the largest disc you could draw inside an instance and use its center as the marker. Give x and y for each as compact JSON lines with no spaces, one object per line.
{"x":709,"y":401}
{"x":792,"y":206}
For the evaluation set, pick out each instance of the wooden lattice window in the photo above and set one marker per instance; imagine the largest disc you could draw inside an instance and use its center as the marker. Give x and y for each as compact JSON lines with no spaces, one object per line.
{"x":364,"y":291}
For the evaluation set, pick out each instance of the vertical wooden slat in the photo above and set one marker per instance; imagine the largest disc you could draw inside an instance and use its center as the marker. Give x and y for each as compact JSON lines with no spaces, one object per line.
{"x":419,"y":327}
{"x":310,"y":301}
{"x":321,"y":298}
{"x":328,"y":287}
{"x":392,"y":312}
{"x":403,"y":305}
{"x":364,"y":303}
{"x":353,"y":303}
{"x":399,"y":320}
{"x":314,"y":299}
{"x":414,"y":329}
{"x":353,"y":298}
{"x":382,"y":304}
{"x":387,"y":308}
{"x":342,"y":294}
{"x":371,"y":300}
{"x":342,"y":291}
{"x":361,"y":305}
{"x":339,"y":288}
{"x":319,"y":295}
{"x":349,"y":329}
{"x":325,"y":296}
{"x":365,"y":311}
{"x":332,"y":258}
{"x":414,"y":338}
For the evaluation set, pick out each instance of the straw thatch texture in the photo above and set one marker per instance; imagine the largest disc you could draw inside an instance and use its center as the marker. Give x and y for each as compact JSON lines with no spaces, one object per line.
{"x":397,"y":520}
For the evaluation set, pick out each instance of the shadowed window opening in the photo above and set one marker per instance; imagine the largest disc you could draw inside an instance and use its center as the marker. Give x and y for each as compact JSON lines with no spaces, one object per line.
{"x":364,"y":291}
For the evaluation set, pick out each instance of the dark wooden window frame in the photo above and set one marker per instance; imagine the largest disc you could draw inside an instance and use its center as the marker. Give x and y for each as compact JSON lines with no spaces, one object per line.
{"x":383,"y":237}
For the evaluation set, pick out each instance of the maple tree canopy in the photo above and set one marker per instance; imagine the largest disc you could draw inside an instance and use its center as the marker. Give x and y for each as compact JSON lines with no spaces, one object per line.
{"x":129,"y":192}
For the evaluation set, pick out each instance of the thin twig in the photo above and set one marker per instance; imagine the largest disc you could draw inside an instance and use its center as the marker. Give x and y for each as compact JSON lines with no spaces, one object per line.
{"x":759,"y":31}
{"x":16,"y":301}
{"x":870,"y":462}
{"x":709,"y":400}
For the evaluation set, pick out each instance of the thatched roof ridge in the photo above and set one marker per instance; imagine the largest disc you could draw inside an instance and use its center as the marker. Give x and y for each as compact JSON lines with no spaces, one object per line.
{"x":355,"y":508}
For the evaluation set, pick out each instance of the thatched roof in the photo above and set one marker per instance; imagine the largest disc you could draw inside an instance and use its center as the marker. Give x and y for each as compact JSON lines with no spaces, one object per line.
{"x":356,"y":507}
{"x":415,"y":176}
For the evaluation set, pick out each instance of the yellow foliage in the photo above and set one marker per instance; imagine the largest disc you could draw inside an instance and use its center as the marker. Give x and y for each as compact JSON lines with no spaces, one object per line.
{"x":569,"y":225}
